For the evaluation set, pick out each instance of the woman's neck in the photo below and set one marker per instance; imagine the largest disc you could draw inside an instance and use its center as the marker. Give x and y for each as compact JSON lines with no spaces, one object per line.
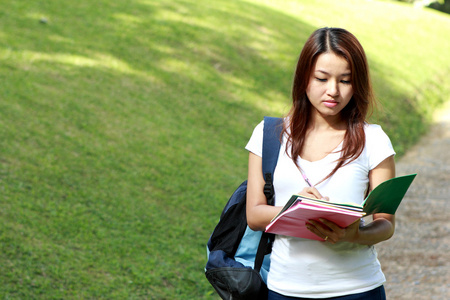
{"x":319,"y":122}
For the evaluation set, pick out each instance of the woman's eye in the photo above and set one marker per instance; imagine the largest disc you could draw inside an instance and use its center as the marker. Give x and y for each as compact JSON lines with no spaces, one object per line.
{"x":321,"y":79}
{"x":346,"y":81}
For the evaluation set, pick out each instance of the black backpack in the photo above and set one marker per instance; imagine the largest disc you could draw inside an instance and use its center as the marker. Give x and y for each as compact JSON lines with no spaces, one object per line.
{"x":238,"y":257}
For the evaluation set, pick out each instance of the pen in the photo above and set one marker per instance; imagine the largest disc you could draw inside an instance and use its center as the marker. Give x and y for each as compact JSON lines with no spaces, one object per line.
{"x":306,"y":178}
{"x":310,"y":185}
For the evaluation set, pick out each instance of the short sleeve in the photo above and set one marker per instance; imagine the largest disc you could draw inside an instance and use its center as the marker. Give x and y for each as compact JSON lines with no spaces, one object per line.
{"x":378,"y":144}
{"x":255,"y":143}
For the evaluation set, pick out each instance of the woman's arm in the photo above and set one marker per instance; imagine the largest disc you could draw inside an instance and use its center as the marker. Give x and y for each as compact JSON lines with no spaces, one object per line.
{"x":259,"y":214}
{"x":383,"y":225}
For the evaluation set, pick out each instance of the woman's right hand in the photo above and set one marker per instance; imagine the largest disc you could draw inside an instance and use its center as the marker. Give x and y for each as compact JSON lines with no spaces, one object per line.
{"x":312,"y":192}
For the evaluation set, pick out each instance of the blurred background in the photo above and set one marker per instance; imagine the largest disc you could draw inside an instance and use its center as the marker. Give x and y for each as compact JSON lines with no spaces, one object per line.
{"x":123,"y":125}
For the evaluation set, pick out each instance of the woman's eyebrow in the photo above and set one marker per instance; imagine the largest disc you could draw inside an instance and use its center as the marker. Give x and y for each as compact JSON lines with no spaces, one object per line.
{"x":326,"y":73}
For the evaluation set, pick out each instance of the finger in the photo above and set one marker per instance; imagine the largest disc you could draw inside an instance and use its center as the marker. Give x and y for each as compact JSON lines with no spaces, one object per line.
{"x":331,"y":225}
{"x":327,"y":233}
{"x":311,"y":227}
{"x":325,"y":237}
{"x":312,"y":190}
{"x":318,"y":229}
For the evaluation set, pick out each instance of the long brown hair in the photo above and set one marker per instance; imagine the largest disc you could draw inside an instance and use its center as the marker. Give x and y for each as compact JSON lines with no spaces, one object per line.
{"x":343,"y":44}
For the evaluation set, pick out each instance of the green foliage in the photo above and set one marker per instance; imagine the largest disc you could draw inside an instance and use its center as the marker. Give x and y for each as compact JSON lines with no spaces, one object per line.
{"x":121,"y":124}
{"x":441,"y":5}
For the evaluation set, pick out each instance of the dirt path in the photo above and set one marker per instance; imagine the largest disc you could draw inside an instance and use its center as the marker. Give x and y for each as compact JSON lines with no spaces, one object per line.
{"x":416,"y":261}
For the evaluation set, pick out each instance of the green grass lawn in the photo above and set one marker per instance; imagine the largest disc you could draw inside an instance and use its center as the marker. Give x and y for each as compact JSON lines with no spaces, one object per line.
{"x":122,"y":127}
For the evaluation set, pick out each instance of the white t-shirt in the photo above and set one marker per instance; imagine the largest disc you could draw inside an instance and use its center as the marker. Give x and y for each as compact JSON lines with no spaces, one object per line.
{"x":313,"y":269}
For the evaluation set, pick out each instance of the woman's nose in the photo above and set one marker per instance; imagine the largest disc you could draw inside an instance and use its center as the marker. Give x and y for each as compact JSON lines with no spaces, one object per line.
{"x":333,"y":89}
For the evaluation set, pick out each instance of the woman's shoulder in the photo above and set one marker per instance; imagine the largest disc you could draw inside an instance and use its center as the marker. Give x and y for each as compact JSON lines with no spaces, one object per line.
{"x":373,"y":131}
{"x":372,"y":127}
{"x":376,"y":138}
{"x":260,"y":126}
{"x":378,"y":145}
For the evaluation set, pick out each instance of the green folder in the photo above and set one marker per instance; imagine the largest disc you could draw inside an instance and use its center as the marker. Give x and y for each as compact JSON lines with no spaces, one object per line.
{"x":386,"y":197}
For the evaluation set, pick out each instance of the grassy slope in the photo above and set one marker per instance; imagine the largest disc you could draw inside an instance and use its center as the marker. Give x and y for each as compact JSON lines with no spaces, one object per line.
{"x":121,"y":123}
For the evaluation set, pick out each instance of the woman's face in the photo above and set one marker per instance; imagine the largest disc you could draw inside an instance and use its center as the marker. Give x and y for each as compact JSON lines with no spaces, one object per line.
{"x":330,"y":88}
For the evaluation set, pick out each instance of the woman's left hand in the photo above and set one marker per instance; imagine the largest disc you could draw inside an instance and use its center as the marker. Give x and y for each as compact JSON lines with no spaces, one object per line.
{"x":333,"y":233}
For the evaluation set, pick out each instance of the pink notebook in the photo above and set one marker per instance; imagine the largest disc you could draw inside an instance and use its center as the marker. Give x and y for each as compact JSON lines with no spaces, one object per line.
{"x":292,"y":222}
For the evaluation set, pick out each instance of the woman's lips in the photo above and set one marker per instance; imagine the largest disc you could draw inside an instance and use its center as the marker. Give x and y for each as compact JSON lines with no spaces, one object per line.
{"x":330,"y":103}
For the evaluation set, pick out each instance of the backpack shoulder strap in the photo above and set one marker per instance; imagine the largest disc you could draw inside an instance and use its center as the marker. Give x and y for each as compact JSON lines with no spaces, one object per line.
{"x":271,"y":149}
{"x":271,"y":144}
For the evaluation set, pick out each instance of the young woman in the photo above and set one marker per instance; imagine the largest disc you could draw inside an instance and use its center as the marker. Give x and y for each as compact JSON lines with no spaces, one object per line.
{"x":328,"y":151}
